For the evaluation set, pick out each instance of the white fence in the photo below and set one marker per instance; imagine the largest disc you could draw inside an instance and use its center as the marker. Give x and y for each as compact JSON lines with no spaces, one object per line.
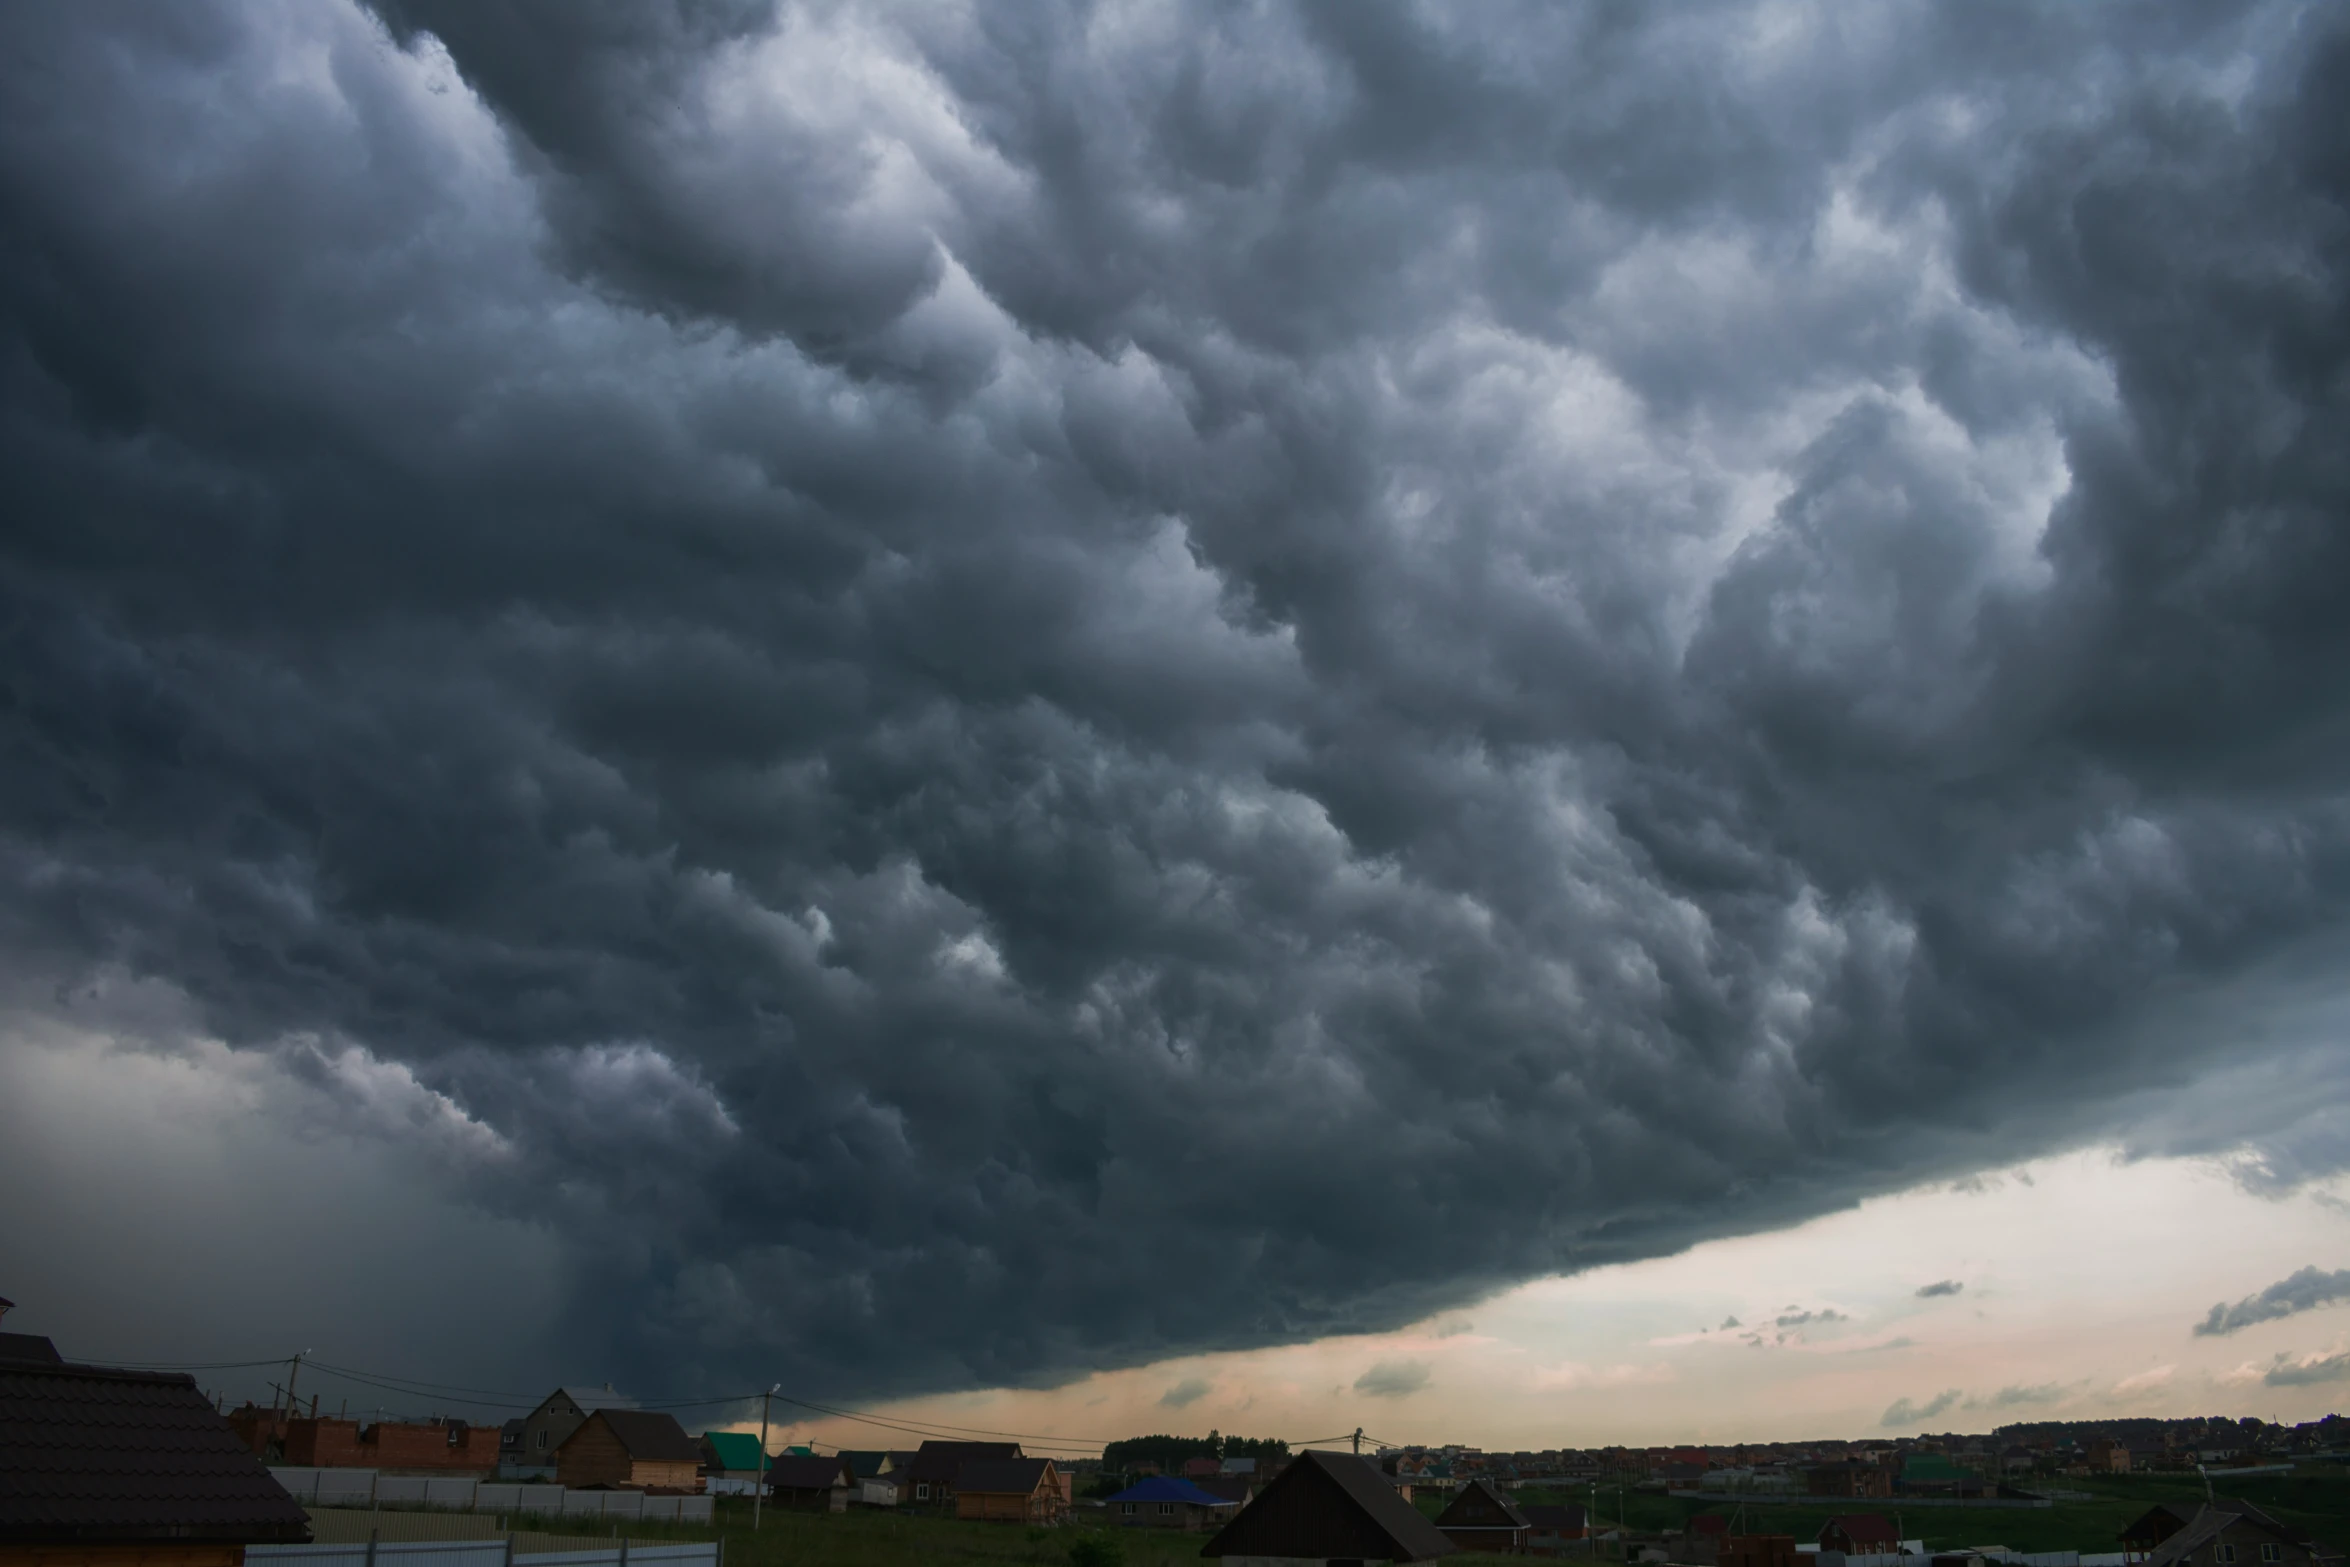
{"x":481,"y":1553}
{"x":367,"y":1488}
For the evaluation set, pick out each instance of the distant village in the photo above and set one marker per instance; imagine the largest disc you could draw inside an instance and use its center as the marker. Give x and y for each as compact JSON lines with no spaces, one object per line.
{"x":109,"y":1466}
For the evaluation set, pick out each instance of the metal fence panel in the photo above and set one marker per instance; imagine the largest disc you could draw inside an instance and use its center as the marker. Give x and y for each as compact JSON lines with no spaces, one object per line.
{"x":394,"y":1490}
{"x":448,"y":1491}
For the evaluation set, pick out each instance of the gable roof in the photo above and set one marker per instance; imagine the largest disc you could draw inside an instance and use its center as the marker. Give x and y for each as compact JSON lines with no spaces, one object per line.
{"x":936,"y":1463}
{"x":1171,"y":1488}
{"x":1000,"y":1476}
{"x":806,"y":1472}
{"x":1861,"y":1526}
{"x":2211,"y":1520}
{"x":1480,"y":1506}
{"x":1330,"y":1504}
{"x":647,"y":1435}
{"x":589,"y":1399}
{"x":734,"y":1449}
{"x":864,"y":1463}
{"x":90,"y":1454}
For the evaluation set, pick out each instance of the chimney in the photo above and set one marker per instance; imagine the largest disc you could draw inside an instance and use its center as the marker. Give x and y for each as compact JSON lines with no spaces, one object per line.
{"x":6,"y":1306}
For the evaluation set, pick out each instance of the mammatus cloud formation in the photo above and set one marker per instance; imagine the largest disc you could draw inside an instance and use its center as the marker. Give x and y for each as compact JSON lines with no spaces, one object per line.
{"x":2305,"y":1290}
{"x":1939,"y":1288}
{"x":980,"y":693}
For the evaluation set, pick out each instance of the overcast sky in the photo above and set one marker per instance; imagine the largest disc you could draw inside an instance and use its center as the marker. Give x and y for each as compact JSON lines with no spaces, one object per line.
{"x":922,"y":699}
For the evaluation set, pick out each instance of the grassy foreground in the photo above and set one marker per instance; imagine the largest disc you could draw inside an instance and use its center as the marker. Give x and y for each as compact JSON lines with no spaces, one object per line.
{"x":2315,"y":1498}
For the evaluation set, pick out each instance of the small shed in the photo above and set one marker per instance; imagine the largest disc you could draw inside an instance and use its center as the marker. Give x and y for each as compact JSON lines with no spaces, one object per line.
{"x":100,"y":1467}
{"x":1166,"y":1502}
{"x":808,"y":1484}
{"x":1011,"y":1490}
{"x":1480,"y":1518}
{"x":1327,"y":1508}
{"x":630,"y":1449}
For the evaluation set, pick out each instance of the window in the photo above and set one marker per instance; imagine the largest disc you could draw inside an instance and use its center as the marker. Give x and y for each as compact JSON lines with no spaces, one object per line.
{"x":1166,"y":1509}
{"x":922,"y":1492}
{"x":542,"y":1441}
{"x":2226,"y":1553}
{"x":1126,"y":1509}
{"x":2272,"y":1552}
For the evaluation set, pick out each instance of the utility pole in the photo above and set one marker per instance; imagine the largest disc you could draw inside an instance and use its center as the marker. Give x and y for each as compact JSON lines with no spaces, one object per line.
{"x":759,"y":1476}
{"x":293,"y":1370}
{"x":1358,"y":1441}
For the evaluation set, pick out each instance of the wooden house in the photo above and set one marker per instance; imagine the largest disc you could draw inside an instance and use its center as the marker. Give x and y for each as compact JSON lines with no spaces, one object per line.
{"x":805,"y":1483}
{"x":1011,"y":1490}
{"x":560,"y":1413}
{"x":108,"y":1468}
{"x":930,"y":1473}
{"x":630,"y":1449}
{"x":1480,"y":1518}
{"x":1327,"y":1508}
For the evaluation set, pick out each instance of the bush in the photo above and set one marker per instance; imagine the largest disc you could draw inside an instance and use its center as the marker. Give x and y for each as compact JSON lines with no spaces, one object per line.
{"x":1095,"y":1550}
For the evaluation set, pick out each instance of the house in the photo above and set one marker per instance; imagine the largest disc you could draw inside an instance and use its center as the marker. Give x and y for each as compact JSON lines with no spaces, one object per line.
{"x":1860,"y":1534}
{"x":1859,"y":1481}
{"x":731,"y":1455}
{"x":1202,"y":1468}
{"x":2233,"y":1534}
{"x":102,"y":1467}
{"x":2109,"y":1456}
{"x":559,"y":1414}
{"x":1329,"y":1508}
{"x":1165,"y":1502}
{"x":2151,"y":1532}
{"x":1239,"y":1490}
{"x":865,"y":1463}
{"x":1480,"y":1518}
{"x":935,"y":1465}
{"x":394,"y":1446}
{"x":1238,"y":1466}
{"x":1011,"y":1490}
{"x":1552,"y":1527}
{"x":808,"y":1484}
{"x":631,"y":1449}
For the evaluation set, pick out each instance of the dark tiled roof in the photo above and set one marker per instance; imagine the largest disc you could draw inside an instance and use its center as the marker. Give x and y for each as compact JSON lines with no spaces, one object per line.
{"x":1018,"y":1476}
{"x":804,"y":1472}
{"x":93,"y":1455}
{"x":649,"y":1435}
{"x":1481,"y":1506}
{"x":1330,"y":1504}
{"x":938,"y":1462}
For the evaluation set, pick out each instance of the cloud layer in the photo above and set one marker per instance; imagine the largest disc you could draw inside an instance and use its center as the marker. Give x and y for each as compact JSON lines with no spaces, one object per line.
{"x":2304,"y":1290}
{"x":982,"y":693}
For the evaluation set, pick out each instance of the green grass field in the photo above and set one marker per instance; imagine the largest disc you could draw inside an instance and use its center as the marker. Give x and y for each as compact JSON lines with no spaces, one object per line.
{"x":2317,"y":1498}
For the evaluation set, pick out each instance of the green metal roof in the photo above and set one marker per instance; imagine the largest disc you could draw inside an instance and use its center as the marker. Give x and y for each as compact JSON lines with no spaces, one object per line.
{"x":734,"y":1449}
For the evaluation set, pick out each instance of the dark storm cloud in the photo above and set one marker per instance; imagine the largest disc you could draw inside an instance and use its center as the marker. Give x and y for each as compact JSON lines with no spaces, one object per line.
{"x":1939,"y":1287}
{"x":975,"y":696}
{"x":1904,"y":1412}
{"x":1393,"y":1379}
{"x":2305,"y":1290}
